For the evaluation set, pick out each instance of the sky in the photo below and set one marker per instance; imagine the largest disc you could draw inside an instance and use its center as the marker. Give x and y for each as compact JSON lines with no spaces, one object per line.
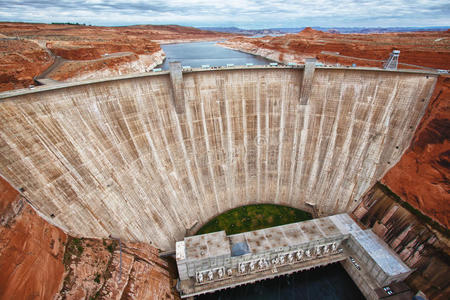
{"x":249,"y":14}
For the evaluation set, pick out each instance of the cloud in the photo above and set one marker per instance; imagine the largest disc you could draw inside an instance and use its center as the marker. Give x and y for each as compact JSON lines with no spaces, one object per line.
{"x":242,"y":13}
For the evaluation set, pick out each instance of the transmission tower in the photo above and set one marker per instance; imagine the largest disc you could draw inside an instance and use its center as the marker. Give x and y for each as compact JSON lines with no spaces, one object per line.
{"x":392,"y":62}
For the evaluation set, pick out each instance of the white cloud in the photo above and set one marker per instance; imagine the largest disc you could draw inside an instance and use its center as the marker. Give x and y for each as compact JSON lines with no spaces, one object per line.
{"x":243,"y":13}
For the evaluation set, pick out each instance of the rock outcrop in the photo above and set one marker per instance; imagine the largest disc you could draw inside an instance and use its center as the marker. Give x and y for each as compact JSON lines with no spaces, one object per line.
{"x":126,"y":63}
{"x":20,"y":61}
{"x":421,"y":244}
{"x":96,"y":269}
{"x":421,"y":177}
{"x":31,"y":251}
{"x":39,"y":261}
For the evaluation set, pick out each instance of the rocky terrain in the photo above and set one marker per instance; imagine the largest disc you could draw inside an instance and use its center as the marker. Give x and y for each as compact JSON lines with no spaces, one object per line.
{"x":39,"y":261}
{"x":77,"y":52}
{"x":420,"y":243}
{"x":31,"y":250}
{"x":20,"y":61}
{"x":429,"y":49}
{"x":422,"y":176}
{"x":107,"y":66}
{"x":94,"y":269}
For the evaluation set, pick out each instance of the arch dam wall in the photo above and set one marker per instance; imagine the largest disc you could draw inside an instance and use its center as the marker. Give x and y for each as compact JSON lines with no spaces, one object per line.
{"x":114,"y":157}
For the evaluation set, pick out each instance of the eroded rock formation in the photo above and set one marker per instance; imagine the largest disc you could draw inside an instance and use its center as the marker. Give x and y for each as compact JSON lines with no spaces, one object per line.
{"x":39,"y":261}
{"x":108,"y":66}
{"x":422,"y":176}
{"x":20,"y":61}
{"x":95,"y":269}
{"x":31,"y":250}
{"x":421,"y":244}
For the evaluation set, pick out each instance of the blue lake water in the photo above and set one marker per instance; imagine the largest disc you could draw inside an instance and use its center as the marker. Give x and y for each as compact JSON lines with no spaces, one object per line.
{"x":328,"y":283}
{"x":207,"y":53}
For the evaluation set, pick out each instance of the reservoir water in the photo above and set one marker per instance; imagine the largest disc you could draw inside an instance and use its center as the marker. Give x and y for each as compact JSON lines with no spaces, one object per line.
{"x":207,"y":53}
{"x":327,"y":283}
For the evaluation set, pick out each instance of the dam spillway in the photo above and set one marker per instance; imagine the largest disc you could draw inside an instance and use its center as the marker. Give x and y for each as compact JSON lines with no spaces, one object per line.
{"x":115,"y":158}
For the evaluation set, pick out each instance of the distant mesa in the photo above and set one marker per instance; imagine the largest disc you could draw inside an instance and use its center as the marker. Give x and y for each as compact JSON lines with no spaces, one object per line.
{"x":310,"y":31}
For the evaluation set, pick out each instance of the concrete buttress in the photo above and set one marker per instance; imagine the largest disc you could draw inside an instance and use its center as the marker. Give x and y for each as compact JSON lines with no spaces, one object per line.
{"x":176,"y":78}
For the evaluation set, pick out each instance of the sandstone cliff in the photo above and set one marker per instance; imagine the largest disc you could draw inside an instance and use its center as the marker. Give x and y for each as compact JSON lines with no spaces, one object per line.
{"x":422,"y":176}
{"x":113,"y":65}
{"x":95,"y":269}
{"x":39,"y":261}
{"x":423,"y":245}
{"x":20,"y":61}
{"x":31,"y":250}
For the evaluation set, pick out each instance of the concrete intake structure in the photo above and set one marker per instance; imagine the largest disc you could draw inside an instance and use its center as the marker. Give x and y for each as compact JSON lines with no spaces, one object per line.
{"x":113,"y":157}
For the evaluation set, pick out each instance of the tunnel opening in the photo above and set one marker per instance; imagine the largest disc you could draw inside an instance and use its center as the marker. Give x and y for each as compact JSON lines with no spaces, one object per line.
{"x":254,"y":217}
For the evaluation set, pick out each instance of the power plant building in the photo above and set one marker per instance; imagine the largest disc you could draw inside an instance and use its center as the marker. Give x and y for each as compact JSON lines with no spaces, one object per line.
{"x":214,"y":261}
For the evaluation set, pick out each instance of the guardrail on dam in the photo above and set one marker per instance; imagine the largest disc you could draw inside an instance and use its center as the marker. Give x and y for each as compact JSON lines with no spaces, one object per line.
{"x":113,"y":157}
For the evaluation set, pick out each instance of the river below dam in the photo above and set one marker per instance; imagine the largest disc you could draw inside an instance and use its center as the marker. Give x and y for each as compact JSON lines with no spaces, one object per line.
{"x":327,"y":283}
{"x":207,"y":53}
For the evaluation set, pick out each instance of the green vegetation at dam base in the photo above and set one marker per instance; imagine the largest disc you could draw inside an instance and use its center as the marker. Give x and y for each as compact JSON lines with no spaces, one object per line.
{"x":254,"y":217}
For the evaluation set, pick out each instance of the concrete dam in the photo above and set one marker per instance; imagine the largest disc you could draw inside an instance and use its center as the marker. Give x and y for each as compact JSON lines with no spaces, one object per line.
{"x":153,"y":156}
